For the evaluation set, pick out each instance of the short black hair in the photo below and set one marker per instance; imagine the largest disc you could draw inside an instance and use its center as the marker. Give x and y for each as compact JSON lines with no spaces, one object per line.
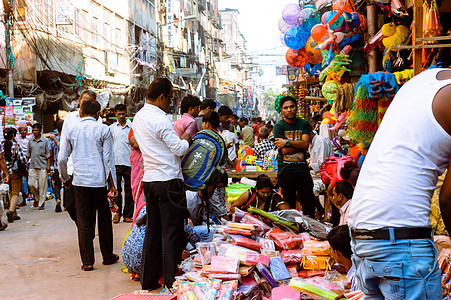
{"x":235,"y":116}
{"x":208,"y":103}
{"x":263,"y":132}
{"x":285,"y":99}
{"x":350,"y":172}
{"x":259,"y":119}
{"x":244,"y":120}
{"x":90,"y":107}
{"x":263,"y":181}
{"x":189,"y":101}
{"x":37,"y":125}
{"x":340,"y":240}
{"x":225,"y":111}
{"x":120,"y":107}
{"x":160,"y":86}
{"x":211,"y":117}
{"x":59,"y":125}
{"x":254,"y":119}
{"x":90,"y":93}
{"x":345,"y":188}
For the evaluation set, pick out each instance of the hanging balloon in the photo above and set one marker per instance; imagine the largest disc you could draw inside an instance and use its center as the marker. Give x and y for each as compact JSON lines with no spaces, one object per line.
{"x":362,"y":21}
{"x":314,"y":56}
{"x":282,"y":39}
{"x":319,"y":33}
{"x":282,"y":24}
{"x":296,"y":58}
{"x":311,"y":18}
{"x":329,"y":90}
{"x":290,"y":14}
{"x":295,"y":37}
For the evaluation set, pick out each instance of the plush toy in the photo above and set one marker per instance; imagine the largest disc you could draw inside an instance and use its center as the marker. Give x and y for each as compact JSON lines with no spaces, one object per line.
{"x":244,"y":151}
{"x":328,"y":118}
{"x":393,"y":36}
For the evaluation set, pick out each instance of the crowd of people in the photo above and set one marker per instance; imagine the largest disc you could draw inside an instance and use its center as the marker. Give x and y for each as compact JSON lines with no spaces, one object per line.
{"x":93,"y":161}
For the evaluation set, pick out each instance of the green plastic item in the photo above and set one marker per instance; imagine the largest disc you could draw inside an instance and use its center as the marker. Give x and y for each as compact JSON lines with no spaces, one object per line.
{"x":305,"y":287}
{"x":283,"y":222}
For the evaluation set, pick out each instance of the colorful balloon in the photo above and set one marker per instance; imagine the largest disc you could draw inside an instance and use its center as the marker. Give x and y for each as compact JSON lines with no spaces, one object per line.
{"x":334,"y":24}
{"x":329,"y":90}
{"x":295,"y":37}
{"x":314,"y":56}
{"x":319,"y":33}
{"x":290,"y":14}
{"x":311,"y":18}
{"x":296,"y":58}
{"x":344,"y":5}
{"x":282,"y":24}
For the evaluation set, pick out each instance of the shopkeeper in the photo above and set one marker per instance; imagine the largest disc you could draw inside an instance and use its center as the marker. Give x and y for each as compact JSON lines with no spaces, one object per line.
{"x":262,"y":197}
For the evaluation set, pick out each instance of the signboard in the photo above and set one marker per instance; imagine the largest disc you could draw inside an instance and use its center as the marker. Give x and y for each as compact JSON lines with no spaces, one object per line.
{"x":281,"y":70}
{"x":291,"y":72}
{"x":169,"y":21}
{"x":64,"y":12}
{"x":186,"y":71}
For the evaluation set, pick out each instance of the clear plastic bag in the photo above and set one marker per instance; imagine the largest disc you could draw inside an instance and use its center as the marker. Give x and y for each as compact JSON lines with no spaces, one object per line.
{"x":206,"y":251}
{"x":292,"y":256}
{"x":285,"y":239}
{"x":247,"y":243}
{"x":267,"y":244}
{"x":317,"y":248}
{"x":187,"y":265}
{"x":278,"y":269}
{"x":262,"y":228}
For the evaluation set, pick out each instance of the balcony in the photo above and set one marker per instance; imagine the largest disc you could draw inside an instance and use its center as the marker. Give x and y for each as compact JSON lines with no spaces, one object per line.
{"x":202,"y":4}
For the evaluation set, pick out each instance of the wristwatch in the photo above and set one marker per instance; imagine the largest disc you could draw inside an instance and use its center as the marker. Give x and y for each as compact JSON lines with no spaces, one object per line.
{"x":287,"y":143}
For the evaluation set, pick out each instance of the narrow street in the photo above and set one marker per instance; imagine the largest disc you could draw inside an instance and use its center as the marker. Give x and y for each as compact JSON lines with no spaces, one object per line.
{"x":39,"y":259}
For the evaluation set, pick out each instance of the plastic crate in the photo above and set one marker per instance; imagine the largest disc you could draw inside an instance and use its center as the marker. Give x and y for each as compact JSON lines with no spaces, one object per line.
{"x":144,"y":297}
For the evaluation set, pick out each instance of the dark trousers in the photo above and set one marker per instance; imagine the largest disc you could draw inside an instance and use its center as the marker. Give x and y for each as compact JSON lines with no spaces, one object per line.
{"x":127,"y":211}
{"x":302,"y":184}
{"x":88,"y":201}
{"x":164,"y":240}
{"x":69,"y":203}
{"x":56,"y":185}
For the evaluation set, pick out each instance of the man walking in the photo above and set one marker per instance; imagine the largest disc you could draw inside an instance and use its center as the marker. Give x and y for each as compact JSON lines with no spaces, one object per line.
{"x":122,"y":149}
{"x":292,"y":139}
{"x":247,"y":133}
{"x":38,"y":154}
{"x":163,"y":187}
{"x":72,"y":120}
{"x":392,"y":239}
{"x":91,"y":146}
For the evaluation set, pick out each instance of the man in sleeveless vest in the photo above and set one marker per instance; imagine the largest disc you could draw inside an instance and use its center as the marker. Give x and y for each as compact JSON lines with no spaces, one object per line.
{"x":392,"y":240}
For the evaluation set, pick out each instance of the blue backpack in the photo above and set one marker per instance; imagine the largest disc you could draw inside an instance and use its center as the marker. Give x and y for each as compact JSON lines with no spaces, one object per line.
{"x":207,"y":153}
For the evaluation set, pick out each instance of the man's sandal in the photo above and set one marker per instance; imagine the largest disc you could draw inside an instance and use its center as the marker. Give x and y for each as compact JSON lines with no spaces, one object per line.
{"x":87,"y":267}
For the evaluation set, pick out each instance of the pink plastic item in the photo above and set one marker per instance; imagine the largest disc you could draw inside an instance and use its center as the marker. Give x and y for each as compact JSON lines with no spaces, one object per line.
{"x":255,"y":258}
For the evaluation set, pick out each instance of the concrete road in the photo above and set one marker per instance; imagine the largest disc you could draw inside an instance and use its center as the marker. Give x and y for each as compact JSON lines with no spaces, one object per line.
{"x":39,"y":259}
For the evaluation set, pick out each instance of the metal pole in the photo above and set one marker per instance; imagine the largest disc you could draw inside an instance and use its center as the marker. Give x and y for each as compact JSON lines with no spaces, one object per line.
{"x":371,"y":15}
{"x":9,"y":52}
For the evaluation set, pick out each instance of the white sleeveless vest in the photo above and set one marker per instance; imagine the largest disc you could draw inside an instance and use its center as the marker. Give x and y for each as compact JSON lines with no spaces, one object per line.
{"x":409,"y":152}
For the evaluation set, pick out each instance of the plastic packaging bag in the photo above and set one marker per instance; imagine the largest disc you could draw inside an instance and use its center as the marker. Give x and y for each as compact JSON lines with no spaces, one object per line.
{"x":238,"y":231}
{"x":312,"y":290}
{"x":206,"y":251}
{"x":265,"y":273}
{"x":293,"y":269}
{"x":262,"y":228}
{"x":221,"y":264}
{"x":317,"y":248}
{"x":255,"y":258}
{"x":284,"y":239}
{"x":292,"y":256}
{"x":315,"y":228}
{"x":237,"y":252}
{"x":187,"y":265}
{"x":267,"y":244}
{"x":317,"y":262}
{"x":278,"y":268}
{"x":247,"y":243}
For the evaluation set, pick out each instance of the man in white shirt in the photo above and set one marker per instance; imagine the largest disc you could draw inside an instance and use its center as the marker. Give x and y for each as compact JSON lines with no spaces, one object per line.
{"x":163,"y":186}
{"x":232,"y":142}
{"x":122,"y":149}
{"x":91,"y":145}
{"x":71,"y":120}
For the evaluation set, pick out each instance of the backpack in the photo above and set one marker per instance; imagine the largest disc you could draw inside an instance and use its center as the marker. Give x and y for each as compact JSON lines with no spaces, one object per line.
{"x":207,"y":153}
{"x":331,"y":167}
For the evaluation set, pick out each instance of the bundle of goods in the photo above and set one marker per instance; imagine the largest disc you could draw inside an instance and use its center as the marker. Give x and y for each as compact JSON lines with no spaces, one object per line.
{"x":262,"y":255}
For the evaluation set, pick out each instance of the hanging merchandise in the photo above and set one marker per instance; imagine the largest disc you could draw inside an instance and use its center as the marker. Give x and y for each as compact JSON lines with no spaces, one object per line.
{"x":345,"y":96}
{"x":362,"y":122}
{"x":296,"y":58}
{"x":329,"y":90}
{"x":393,"y":36}
{"x":303,"y":105}
{"x":295,"y":37}
{"x":277,"y":103}
{"x":431,"y":20}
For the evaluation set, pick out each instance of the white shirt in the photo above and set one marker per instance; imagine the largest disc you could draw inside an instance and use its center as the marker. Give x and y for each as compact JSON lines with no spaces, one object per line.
{"x":320,"y":149}
{"x":121,"y":144}
{"x":23,"y":142}
{"x":159,"y":144}
{"x":409,"y":151}
{"x":230,"y":137}
{"x":91,"y":146}
{"x":344,"y":210}
{"x":72,"y":119}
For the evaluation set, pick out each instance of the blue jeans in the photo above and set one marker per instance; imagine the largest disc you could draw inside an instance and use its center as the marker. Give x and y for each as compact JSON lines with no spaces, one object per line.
{"x":203,"y":233}
{"x":397,"y":269}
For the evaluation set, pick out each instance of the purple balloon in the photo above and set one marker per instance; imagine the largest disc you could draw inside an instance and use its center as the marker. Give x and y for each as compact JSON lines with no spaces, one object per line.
{"x":282,"y":39}
{"x":290,"y":14}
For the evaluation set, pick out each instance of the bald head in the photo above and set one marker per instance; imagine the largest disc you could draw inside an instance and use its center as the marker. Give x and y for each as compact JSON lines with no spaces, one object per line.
{"x":263,"y":132}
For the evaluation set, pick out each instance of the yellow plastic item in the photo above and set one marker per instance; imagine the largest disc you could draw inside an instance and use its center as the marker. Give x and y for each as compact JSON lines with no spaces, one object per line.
{"x":317,"y":262}
{"x":241,"y":226}
{"x":317,"y":248}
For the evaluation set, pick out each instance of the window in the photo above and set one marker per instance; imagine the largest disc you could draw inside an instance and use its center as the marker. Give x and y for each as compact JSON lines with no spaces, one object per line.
{"x":118,"y":37}
{"x":85,"y":27}
{"x":95,"y":30}
{"x":107,"y":28}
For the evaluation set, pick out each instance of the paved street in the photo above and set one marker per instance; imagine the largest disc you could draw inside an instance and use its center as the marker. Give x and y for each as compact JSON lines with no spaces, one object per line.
{"x":39,"y":259}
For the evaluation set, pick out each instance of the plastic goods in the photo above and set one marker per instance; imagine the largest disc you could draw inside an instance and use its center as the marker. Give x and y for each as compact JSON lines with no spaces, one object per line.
{"x":247,"y":243}
{"x":310,"y":289}
{"x":317,"y":262}
{"x":221,"y":264}
{"x":317,"y":248}
{"x":278,"y":268}
{"x":206,"y":251}
{"x":255,"y":258}
{"x":285,"y":239}
{"x":292,"y":256}
{"x":267,"y":274}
